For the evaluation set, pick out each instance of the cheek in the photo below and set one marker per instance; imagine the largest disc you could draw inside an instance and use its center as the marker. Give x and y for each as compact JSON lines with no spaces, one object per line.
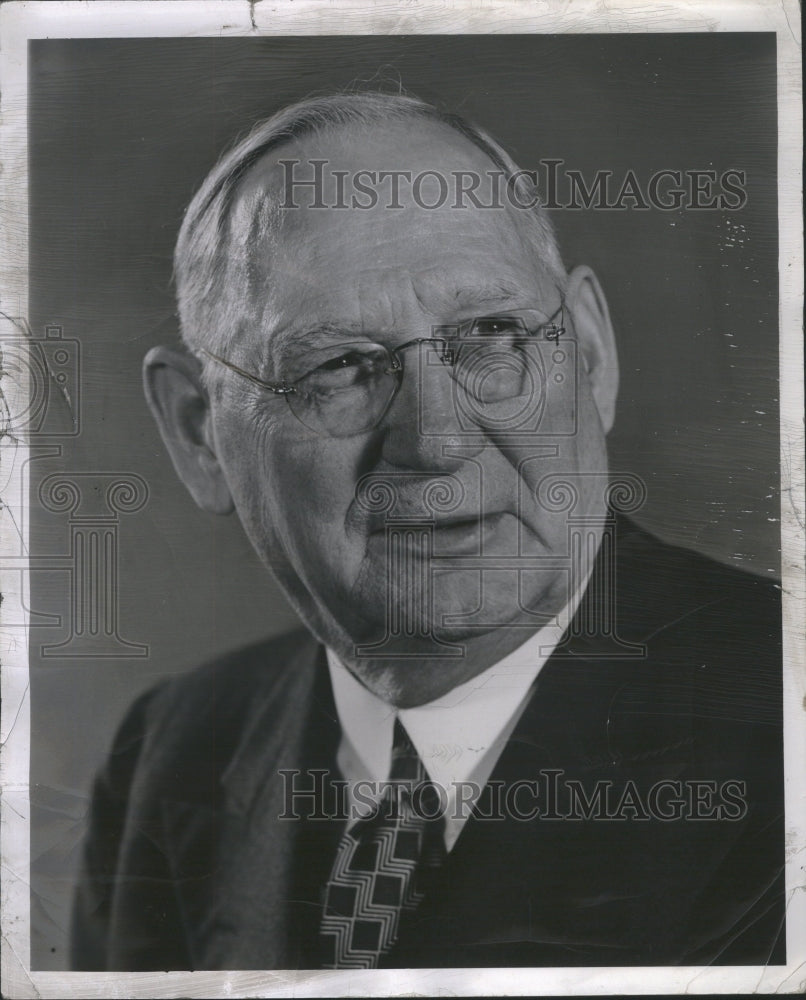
{"x":292,"y":491}
{"x":576,"y":474}
{"x":307,"y":513}
{"x":582,"y":464}
{"x":315,"y":481}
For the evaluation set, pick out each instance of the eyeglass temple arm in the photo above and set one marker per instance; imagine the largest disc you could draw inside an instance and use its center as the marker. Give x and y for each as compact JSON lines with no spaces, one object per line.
{"x":280,"y":388}
{"x":553,"y":332}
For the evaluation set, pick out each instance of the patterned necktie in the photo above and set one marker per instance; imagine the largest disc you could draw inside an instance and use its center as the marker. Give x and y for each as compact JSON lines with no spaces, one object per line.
{"x":381,"y":866}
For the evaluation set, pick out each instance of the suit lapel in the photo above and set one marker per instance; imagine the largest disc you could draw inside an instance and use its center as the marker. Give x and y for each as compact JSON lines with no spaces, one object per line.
{"x":537,"y":891}
{"x":590,"y":719}
{"x":235,"y":865}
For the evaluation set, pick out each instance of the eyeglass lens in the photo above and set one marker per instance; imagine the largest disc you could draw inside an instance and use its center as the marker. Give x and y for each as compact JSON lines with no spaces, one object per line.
{"x":500,"y":372}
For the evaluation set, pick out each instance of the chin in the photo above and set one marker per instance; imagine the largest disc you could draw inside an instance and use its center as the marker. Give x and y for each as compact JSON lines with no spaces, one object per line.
{"x":406,"y":683}
{"x":434,"y":642}
{"x":472,"y":605}
{"x":461,"y":610}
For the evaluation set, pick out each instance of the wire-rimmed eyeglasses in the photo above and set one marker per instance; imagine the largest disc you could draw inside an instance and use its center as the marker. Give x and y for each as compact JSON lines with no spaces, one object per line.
{"x":350,"y":386}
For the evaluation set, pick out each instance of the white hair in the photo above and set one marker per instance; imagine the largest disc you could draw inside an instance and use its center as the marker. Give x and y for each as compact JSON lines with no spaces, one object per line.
{"x":216,"y":284}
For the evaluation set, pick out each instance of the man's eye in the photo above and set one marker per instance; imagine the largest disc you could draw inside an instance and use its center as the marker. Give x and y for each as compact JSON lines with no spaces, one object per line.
{"x":354,"y":365}
{"x":344,"y":370}
{"x":348,"y":360}
{"x":497,"y":326}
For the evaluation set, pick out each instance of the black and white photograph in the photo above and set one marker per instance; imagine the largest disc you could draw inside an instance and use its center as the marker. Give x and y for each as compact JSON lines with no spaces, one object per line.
{"x":402,"y":500}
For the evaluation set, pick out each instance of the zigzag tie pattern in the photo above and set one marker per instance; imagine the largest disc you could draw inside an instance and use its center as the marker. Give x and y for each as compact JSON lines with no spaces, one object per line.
{"x":378,"y":873}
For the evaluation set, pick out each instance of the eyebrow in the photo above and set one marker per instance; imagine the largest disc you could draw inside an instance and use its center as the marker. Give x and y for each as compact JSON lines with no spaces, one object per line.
{"x":319,"y":331}
{"x":498,"y":291}
{"x":291,"y":341}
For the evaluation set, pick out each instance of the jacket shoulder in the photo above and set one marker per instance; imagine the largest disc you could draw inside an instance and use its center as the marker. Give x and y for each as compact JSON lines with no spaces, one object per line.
{"x":668,"y":593}
{"x":189,"y":728}
{"x":711,"y":632}
{"x":234,"y":679}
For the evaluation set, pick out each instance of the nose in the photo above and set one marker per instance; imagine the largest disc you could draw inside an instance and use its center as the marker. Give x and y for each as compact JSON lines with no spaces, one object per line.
{"x":423,"y":416}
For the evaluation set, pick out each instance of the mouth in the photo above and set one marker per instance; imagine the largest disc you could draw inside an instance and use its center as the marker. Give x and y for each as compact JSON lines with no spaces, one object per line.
{"x":455,"y":536}
{"x":464,"y":536}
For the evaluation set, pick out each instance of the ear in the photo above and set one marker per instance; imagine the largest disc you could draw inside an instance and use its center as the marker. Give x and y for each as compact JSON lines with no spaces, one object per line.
{"x":597,"y":344}
{"x":175,"y":392}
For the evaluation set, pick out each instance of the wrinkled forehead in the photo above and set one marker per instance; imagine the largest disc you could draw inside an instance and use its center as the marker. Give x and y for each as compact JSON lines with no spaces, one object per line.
{"x":338,"y":221}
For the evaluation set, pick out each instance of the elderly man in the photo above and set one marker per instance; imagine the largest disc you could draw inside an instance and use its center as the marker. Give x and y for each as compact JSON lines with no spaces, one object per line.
{"x":519,"y":730}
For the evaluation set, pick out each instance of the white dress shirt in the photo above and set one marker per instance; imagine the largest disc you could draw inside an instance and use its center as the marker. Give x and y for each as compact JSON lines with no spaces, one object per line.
{"x":459,"y":737}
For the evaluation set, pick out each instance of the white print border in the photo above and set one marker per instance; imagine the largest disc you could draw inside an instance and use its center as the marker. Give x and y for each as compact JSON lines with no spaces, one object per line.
{"x":20,"y":21}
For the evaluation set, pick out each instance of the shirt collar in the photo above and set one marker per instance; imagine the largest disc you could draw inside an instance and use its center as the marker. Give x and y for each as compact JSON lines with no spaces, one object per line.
{"x":455,"y":734}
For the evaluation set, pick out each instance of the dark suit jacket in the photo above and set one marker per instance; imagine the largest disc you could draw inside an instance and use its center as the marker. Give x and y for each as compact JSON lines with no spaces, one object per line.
{"x":189,"y":867}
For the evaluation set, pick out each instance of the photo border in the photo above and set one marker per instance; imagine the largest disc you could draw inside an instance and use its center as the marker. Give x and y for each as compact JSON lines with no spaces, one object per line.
{"x":21,"y":21}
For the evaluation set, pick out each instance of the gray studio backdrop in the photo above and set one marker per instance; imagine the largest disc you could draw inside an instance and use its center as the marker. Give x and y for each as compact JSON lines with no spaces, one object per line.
{"x":121,"y":134}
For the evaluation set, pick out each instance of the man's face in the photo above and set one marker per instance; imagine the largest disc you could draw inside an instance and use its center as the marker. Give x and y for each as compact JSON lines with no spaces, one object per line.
{"x":387,"y":276}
